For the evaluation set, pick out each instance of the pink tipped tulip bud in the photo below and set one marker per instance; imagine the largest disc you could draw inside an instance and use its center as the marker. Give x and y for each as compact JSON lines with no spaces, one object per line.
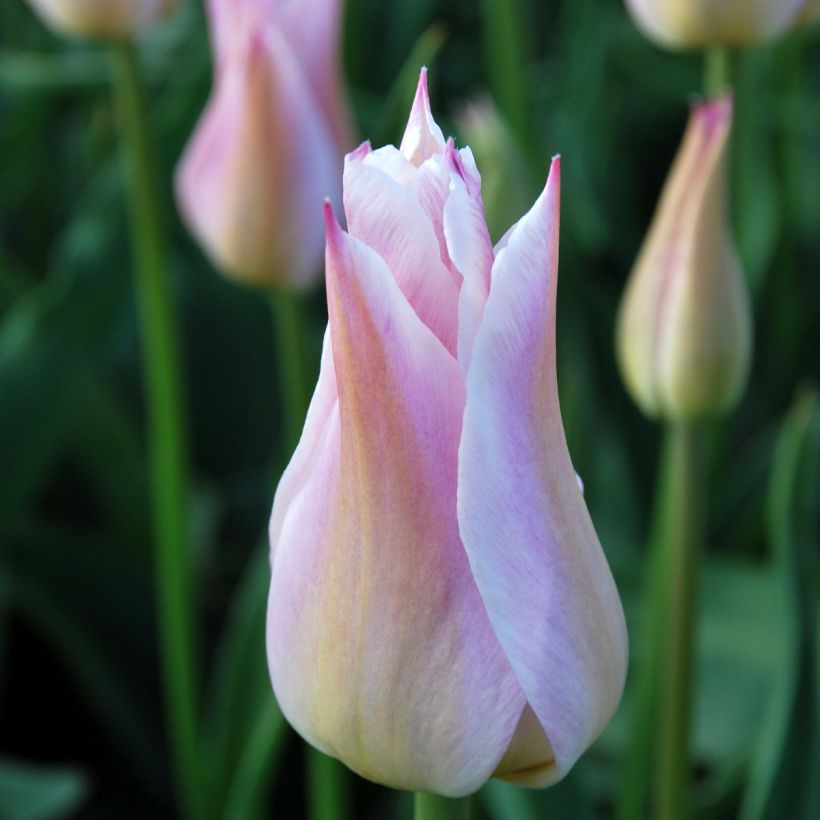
{"x":270,"y":145}
{"x":703,"y":23}
{"x":102,"y":18}
{"x":684,"y":329}
{"x":441,"y":611}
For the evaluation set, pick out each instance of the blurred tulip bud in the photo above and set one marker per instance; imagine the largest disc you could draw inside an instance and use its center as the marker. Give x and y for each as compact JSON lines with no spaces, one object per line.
{"x":811,"y":12}
{"x":440,"y":611}
{"x":506,"y":184}
{"x":102,"y":18}
{"x":702,"y":23}
{"x":684,"y":329}
{"x":269,"y":147}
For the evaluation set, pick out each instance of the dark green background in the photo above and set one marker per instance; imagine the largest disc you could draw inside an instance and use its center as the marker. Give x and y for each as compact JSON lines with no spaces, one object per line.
{"x":80,"y":718}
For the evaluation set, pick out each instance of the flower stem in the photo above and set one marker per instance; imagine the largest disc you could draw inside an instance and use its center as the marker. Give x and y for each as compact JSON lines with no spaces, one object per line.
{"x":716,"y":71}
{"x":166,"y":433}
{"x":680,"y":543}
{"x":291,"y":330}
{"x":433,"y":807}
{"x":327,"y":787}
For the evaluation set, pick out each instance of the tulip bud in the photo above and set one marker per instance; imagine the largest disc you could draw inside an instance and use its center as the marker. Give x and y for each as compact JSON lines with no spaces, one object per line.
{"x":702,"y":23}
{"x":440,"y":609}
{"x":268,"y":149}
{"x":684,"y":328}
{"x":102,"y":18}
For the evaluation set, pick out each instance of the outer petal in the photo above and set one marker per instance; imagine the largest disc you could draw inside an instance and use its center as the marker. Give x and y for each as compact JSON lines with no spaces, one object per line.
{"x":313,"y":471}
{"x":389,"y":218}
{"x":380,"y":650}
{"x":531,"y":545}
{"x":251,"y":183}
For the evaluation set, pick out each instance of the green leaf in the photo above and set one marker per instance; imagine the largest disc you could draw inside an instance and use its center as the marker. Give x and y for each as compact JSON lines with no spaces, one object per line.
{"x":37,"y":793}
{"x":783,"y":777}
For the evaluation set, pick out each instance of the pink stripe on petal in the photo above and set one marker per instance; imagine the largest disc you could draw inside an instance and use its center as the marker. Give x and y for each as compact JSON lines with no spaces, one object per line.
{"x":531,"y":545}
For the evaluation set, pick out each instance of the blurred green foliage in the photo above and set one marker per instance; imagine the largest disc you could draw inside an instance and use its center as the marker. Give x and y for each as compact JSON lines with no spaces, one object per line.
{"x":80,"y":715}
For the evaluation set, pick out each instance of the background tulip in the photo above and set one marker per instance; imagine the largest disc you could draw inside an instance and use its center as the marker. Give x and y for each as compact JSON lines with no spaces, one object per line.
{"x":269,"y":146}
{"x":440,"y":608}
{"x":684,"y":335}
{"x":103,"y":18}
{"x":698,"y":23}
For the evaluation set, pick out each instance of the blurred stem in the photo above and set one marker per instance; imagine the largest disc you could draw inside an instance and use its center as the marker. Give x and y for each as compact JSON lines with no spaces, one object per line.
{"x":166,"y":432}
{"x":290,"y":329}
{"x":678,"y":580}
{"x":716,"y":71}
{"x":505,"y":60}
{"x":666,"y":634}
{"x":433,"y":807}
{"x":327,"y":787}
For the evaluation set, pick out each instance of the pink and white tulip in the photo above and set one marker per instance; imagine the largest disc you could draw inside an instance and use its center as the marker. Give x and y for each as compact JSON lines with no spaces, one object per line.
{"x":441,"y":611}
{"x":102,"y":18}
{"x":269,"y":147}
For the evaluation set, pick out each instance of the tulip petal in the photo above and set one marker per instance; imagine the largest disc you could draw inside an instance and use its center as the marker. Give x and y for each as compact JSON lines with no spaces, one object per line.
{"x":532,"y":548}
{"x":312,"y":467}
{"x":422,"y":137}
{"x":469,"y":246}
{"x":380,"y":649}
{"x":390,"y":219}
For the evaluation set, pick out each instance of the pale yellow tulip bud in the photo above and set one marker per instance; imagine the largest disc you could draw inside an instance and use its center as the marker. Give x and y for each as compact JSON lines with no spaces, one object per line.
{"x":703,"y":23}
{"x":102,"y":18}
{"x":684,"y":329}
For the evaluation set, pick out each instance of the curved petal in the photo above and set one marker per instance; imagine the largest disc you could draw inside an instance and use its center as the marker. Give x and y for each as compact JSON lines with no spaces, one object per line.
{"x":532,"y":548}
{"x":469,"y":247}
{"x":389,"y":218}
{"x":380,"y":650}
{"x":312,"y":468}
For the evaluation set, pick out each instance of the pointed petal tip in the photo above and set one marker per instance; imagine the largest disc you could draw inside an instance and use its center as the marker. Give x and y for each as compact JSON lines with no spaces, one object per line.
{"x":714,"y":115}
{"x":360,"y":152}
{"x":333,"y":230}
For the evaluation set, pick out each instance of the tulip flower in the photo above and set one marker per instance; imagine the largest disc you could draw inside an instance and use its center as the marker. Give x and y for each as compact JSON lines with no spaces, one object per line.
{"x":684,"y":329}
{"x":270,"y":144}
{"x":701,"y":23}
{"x":440,"y":610}
{"x":102,"y":18}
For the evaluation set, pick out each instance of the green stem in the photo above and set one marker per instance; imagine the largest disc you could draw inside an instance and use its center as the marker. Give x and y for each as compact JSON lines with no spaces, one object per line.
{"x":678,"y":581}
{"x":166,"y":433}
{"x":433,"y":807}
{"x":290,"y":329}
{"x":716,"y":71}
{"x":327,"y":787}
